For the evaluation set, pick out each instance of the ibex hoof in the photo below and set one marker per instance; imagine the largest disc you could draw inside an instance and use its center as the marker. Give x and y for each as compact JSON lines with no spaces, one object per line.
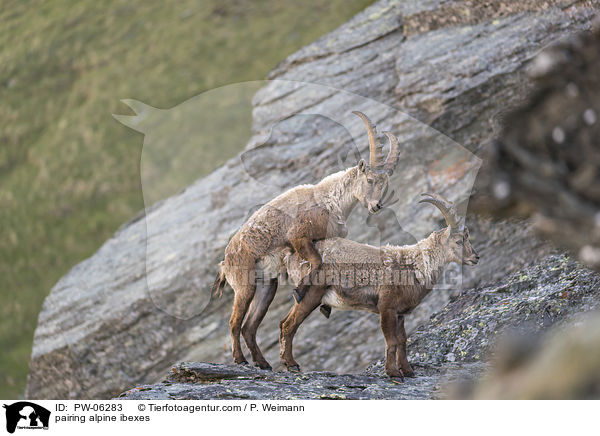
{"x":264,"y":366}
{"x":325,"y":310}
{"x":397,"y":379}
{"x":294,"y":368}
{"x":297,"y":295}
{"x":242,"y":362}
{"x":395,"y":375}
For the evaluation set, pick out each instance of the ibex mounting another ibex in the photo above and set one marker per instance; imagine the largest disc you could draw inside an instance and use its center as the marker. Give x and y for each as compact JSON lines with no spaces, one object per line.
{"x":296,"y":219}
{"x":389,"y":280}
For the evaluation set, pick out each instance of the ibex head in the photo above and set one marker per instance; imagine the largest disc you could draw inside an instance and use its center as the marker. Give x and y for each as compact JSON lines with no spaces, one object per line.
{"x":457,"y":246}
{"x":374,"y":178}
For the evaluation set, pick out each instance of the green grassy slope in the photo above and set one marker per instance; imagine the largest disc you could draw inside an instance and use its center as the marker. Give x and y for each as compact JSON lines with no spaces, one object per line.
{"x":69,"y":173}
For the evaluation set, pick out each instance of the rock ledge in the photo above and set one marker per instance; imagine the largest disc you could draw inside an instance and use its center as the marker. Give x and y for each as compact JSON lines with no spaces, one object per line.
{"x":211,"y":381}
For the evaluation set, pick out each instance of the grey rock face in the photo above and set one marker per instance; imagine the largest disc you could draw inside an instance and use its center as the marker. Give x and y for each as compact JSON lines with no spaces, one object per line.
{"x":553,"y":291}
{"x":205,"y":381}
{"x":102,"y":331}
{"x":546,"y":162}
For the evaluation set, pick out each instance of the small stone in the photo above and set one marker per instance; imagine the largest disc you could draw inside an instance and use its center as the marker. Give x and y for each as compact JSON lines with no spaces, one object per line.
{"x":572,"y":90}
{"x":589,"y":116}
{"x":501,"y":190}
{"x":558,"y":134}
{"x":590,"y":255}
{"x":541,"y":65}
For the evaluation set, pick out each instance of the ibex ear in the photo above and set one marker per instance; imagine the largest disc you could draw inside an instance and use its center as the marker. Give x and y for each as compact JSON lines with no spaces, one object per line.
{"x":362,"y":165}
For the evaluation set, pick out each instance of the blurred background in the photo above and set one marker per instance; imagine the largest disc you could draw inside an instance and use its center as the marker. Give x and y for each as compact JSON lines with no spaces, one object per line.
{"x":69,"y":172}
{"x":514,"y":82}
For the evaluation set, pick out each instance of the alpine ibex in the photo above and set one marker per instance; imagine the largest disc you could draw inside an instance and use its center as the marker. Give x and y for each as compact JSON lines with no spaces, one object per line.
{"x":390,"y":281}
{"x":296,"y":219}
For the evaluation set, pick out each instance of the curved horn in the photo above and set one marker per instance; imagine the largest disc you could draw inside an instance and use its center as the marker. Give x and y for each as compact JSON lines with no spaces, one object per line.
{"x":446,"y":207}
{"x":374,"y":148}
{"x":392,"y":158}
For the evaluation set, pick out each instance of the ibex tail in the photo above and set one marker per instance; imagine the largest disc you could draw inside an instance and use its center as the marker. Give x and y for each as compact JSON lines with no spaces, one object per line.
{"x":219,"y":284}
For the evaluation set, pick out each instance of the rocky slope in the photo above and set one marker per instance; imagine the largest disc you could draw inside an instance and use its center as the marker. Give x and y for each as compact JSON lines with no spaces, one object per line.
{"x":449,"y":353}
{"x":122,"y":317}
{"x":206,"y":381}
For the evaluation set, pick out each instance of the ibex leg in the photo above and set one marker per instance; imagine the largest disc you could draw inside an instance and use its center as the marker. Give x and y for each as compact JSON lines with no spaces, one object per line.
{"x":292,"y":321}
{"x":401,"y":358}
{"x":244,"y":287}
{"x":307,"y":251}
{"x":262,"y":300}
{"x":389,"y":321}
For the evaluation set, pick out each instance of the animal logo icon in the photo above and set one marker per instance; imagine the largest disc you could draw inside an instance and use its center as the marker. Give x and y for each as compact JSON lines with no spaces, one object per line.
{"x":26,"y":415}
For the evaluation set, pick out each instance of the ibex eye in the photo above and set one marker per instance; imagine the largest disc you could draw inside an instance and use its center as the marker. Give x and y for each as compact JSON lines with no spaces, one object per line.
{"x":370,"y":181}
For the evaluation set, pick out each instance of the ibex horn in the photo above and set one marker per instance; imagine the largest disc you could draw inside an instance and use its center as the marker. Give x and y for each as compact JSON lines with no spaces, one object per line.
{"x":392,"y":158}
{"x":446,"y":207}
{"x":375,"y":150}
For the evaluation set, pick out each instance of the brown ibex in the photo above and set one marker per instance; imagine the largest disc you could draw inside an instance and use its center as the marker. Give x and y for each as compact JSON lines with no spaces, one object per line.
{"x":296,"y":219}
{"x":389,"y":280}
